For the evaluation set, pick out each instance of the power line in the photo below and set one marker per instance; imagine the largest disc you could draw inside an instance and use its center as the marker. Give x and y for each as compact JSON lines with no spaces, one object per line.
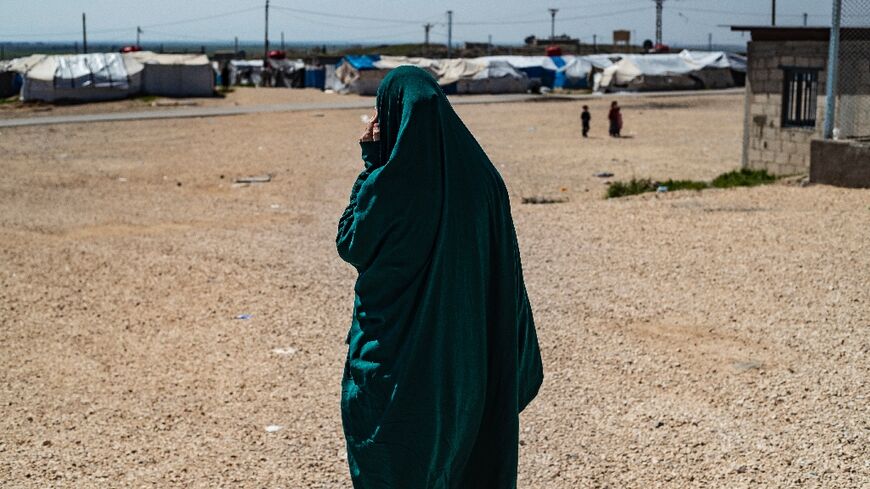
{"x":129,"y":28}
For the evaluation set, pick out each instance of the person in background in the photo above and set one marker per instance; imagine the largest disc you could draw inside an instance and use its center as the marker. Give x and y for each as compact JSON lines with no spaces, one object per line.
{"x":585,"y":117}
{"x":615,"y":118}
{"x":267,"y":75}
{"x":225,"y":76}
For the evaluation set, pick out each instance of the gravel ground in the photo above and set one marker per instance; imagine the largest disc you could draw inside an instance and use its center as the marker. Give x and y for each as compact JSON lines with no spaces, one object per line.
{"x":239,"y":96}
{"x":713,"y":339}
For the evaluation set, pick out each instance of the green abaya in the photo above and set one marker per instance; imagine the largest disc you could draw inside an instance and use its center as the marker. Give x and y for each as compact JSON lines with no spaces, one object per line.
{"x":442,"y":352}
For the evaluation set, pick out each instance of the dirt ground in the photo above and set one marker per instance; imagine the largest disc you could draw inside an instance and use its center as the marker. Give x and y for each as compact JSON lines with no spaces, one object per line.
{"x":240,"y":96}
{"x":712,"y":339}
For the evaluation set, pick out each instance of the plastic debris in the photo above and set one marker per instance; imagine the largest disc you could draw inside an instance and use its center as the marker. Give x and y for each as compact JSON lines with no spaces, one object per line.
{"x":255,"y":179}
{"x":244,"y":317}
{"x":274,"y":428}
{"x":604,"y":174}
{"x":275,"y":206}
{"x":662,"y":189}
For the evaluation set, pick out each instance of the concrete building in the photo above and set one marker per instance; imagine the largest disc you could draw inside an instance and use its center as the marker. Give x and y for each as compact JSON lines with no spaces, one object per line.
{"x":785,"y":95}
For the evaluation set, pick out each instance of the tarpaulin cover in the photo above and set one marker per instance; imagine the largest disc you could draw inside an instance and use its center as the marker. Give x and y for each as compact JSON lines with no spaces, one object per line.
{"x":442,"y":350}
{"x":99,"y":70}
{"x":715,"y":59}
{"x":362,"y":62}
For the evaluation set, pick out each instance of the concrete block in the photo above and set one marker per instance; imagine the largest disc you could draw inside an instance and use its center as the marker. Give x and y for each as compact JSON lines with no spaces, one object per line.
{"x":840,"y":163}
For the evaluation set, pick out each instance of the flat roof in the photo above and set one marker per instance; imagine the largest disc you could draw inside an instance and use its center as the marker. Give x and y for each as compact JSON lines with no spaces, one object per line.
{"x":799,"y":33}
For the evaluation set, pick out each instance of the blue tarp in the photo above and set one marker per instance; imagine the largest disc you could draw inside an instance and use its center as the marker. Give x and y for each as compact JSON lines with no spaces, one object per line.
{"x":558,"y":76}
{"x":362,"y":62}
{"x":315,"y":77}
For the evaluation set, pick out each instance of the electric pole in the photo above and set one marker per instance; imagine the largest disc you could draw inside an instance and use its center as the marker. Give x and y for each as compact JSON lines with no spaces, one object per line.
{"x":266,"y":43}
{"x":553,"y":23}
{"x":489,"y":46}
{"x":138,"y":34}
{"x":449,"y":33}
{"x":710,"y":41}
{"x":660,"y":6}
{"x":805,"y":19}
{"x":594,"y":43}
{"x":236,"y":45}
{"x":84,"y":33}
{"x":773,"y":12}
{"x":282,"y":40}
{"x":426,"y":28}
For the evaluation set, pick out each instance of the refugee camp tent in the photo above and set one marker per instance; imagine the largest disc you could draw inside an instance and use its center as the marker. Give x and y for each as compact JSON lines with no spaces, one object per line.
{"x":288,"y":73}
{"x":684,"y":71}
{"x":476,"y":77}
{"x":541,"y":70}
{"x":714,"y":67}
{"x":246,"y":71}
{"x":175,"y":75}
{"x":9,"y":81}
{"x":573,"y":72}
{"x":358,"y":74}
{"x":81,"y":78}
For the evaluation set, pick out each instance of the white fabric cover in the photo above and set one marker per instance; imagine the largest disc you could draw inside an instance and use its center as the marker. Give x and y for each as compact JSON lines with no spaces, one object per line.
{"x":81,"y":77}
{"x":175,"y":75}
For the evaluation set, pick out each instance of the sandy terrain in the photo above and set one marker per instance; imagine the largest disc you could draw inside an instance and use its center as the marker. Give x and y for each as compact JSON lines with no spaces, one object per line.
{"x":714,"y":339}
{"x":240,"y":96}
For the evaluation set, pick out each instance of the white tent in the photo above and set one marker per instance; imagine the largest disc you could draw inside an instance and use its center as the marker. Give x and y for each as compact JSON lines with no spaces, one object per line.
{"x":80,"y":77}
{"x":175,"y":75}
{"x":493,"y":77}
{"x":684,"y":71}
{"x":714,"y":59}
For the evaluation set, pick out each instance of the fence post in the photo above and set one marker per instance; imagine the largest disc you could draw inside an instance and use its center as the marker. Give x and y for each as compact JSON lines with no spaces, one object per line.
{"x":833,"y":67}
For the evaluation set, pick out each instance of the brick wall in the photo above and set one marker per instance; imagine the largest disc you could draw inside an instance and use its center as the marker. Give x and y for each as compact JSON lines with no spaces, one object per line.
{"x":780,"y":151}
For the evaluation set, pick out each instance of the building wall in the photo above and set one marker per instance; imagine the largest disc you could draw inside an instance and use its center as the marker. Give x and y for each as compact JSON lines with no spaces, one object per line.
{"x":768,"y":145}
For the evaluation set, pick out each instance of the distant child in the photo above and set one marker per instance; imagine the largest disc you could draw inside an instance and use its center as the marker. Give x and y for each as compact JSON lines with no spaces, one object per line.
{"x":615,"y":118}
{"x":585,"y":117}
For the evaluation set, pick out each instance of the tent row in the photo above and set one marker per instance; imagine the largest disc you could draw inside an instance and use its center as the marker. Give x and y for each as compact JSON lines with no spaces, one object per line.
{"x":107,"y":76}
{"x":506,"y":74}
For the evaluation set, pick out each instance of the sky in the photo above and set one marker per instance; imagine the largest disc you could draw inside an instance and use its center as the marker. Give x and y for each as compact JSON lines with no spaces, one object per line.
{"x":686,"y":22}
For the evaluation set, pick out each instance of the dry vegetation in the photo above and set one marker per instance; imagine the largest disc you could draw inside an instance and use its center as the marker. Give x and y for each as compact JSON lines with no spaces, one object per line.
{"x":713,"y":339}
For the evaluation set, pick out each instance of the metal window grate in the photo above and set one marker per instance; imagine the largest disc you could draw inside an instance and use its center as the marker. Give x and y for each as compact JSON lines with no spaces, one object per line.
{"x":800,"y":97}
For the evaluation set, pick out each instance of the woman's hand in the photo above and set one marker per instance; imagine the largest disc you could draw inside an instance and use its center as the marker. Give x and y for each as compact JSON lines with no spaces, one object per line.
{"x":372,"y":131}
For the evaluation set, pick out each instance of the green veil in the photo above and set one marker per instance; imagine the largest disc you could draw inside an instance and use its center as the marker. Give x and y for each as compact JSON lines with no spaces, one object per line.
{"x":442,"y":350}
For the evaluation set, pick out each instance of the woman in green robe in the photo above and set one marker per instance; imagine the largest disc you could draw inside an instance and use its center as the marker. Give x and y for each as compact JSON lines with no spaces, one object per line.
{"x":443,"y":353}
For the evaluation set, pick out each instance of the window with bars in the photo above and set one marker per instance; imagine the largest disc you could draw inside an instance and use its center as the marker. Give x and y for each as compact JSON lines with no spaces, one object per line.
{"x":800,"y":97}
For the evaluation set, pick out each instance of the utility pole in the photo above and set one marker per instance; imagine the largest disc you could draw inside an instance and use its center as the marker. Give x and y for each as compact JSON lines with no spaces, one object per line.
{"x":773,"y":12}
{"x":236,"y":45}
{"x":138,"y":34}
{"x":266,"y":43}
{"x":426,"y":28}
{"x":84,"y":33}
{"x":833,"y":67}
{"x":449,"y":33}
{"x":710,"y":41}
{"x":805,"y":19}
{"x":489,"y":46}
{"x":660,"y":6}
{"x":282,"y":40}
{"x":594,"y":43}
{"x":553,"y":23}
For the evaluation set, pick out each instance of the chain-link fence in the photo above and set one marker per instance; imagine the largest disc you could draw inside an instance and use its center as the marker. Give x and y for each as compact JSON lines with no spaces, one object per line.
{"x":852,"y":119}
